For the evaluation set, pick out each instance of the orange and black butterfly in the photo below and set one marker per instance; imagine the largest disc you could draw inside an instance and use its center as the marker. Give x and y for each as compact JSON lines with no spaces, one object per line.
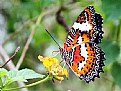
{"x":81,"y":51}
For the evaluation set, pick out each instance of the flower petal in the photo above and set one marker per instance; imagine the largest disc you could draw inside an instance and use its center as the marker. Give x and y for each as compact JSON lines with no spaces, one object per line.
{"x":53,"y":67}
{"x":65,"y":72}
{"x":40,"y":58}
{"x":59,"y":78}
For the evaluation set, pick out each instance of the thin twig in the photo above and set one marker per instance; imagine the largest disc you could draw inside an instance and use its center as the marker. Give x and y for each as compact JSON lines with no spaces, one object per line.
{"x":41,"y":16}
{"x":17,"y":49}
{"x":5,"y":56}
{"x":10,"y":65}
{"x":30,"y":22}
{"x":28,"y":42}
{"x":113,"y":86}
{"x":60,"y":19}
{"x":20,"y":30}
{"x":25,"y":49}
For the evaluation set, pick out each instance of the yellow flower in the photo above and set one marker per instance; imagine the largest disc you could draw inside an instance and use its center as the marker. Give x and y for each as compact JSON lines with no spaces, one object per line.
{"x":53,"y":67}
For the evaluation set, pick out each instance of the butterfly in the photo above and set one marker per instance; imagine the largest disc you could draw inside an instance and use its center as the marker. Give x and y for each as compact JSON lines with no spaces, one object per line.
{"x":81,"y":51}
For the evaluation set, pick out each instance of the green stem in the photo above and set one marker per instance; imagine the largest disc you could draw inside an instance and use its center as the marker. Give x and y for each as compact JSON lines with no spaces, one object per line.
{"x":1,"y":83}
{"x":30,"y":85}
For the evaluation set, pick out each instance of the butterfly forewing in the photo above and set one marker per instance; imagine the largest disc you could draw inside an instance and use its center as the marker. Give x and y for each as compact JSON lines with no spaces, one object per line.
{"x":90,"y":22}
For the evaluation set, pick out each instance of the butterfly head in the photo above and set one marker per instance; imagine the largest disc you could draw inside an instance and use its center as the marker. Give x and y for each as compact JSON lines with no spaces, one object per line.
{"x":61,"y":50}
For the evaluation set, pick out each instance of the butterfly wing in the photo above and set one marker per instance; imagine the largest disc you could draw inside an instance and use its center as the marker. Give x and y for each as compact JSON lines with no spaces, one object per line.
{"x":99,"y":22}
{"x":87,"y":28}
{"x":89,"y":22}
{"x":87,"y":61}
{"x":81,"y":51}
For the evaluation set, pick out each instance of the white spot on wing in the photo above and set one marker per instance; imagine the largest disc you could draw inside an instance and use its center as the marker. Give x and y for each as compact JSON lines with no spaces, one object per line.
{"x":80,"y":40}
{"x":83,"y":27}
{"x":81,"y":65}
{"x":84,"y":54}
{"x":83,"y":51}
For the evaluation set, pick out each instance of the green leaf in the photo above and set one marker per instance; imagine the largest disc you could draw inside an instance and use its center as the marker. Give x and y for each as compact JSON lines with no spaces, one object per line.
{"x":23,"y":75}
{"x":3,"y":72}
{"x":111,"y":51}
{"x":116,"y":73}
{"x":112,"y":9}
{"x":12,"y":76}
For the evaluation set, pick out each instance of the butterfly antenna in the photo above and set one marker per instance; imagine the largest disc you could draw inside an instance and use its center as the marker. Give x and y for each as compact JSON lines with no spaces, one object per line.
{"x":53,"y":38}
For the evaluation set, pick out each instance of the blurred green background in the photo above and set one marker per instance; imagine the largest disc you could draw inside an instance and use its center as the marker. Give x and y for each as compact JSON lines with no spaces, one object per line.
{"x":18,"y":16}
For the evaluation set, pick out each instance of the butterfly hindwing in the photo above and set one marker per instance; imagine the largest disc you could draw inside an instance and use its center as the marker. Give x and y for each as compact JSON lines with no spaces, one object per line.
{"x":86,"y":61}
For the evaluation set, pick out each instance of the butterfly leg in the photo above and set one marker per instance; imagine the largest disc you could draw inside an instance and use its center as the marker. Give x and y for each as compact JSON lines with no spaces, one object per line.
{"x":64,"y":65}
{"x":61,"y":61}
